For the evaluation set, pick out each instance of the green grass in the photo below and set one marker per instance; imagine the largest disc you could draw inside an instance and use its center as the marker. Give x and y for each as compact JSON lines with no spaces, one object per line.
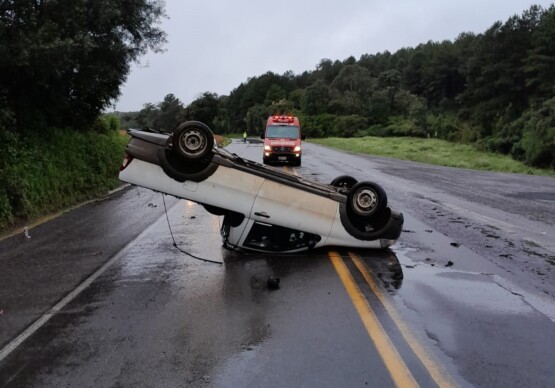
{"x":432,"y":151}
{"x":45,"y":172}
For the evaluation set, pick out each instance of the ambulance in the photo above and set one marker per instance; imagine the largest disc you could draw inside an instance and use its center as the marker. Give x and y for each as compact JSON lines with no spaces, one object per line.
{"x":282,"y":140}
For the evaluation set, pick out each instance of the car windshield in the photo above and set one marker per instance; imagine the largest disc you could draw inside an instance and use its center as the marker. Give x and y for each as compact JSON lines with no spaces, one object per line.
{"x":282,"y":131}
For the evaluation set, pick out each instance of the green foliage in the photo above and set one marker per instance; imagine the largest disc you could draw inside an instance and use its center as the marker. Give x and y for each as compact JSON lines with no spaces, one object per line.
{"x":432,"y":151}
{"x":318,"y":126}
{"x":43,"y":173}
{"x":62,"y":62}
{"x":205,"y":108}
{"x":348,"y":126}
{"x":169,"y":115}
{"x":256,"y":119}
{"x":111,"y":122}
{"x":275,"y":93}
{"x":538,"y":139}
{"x":489,"y":89}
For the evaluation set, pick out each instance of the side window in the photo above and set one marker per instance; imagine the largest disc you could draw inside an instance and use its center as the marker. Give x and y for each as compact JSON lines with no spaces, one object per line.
{"x":274,"y":238}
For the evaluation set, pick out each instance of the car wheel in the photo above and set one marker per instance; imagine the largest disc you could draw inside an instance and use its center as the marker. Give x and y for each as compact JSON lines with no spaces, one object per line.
{"x":364,"y":228}
{"x":181,"y":170}
{"x":193,"y":141}
{"x":344,"y":181}
{"x":366,"y":199}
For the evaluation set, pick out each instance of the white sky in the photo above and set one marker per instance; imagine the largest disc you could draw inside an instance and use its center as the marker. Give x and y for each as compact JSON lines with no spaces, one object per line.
{"x":215,"y":45}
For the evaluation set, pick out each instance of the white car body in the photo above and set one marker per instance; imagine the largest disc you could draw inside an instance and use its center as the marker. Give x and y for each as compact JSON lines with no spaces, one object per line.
{"x":267,"y":210}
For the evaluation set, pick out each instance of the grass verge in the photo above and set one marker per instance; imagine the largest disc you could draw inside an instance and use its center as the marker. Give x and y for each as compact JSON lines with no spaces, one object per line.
{"x":45,"y":172}
{"x":432,"y":151}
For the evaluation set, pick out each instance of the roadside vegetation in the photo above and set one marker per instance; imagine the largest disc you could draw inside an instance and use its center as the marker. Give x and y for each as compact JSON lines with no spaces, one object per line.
{"x":61,"y":66}
{"x":432,"y":151}
{"x":43,"y":173}
{"x":494,"y":89}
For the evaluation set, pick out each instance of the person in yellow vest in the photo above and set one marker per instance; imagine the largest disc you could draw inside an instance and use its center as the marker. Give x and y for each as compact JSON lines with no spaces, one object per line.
{"x":245,"y":137}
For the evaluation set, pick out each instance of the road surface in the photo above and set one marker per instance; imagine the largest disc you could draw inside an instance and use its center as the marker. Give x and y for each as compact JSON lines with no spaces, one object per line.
{"x":101,"y":297}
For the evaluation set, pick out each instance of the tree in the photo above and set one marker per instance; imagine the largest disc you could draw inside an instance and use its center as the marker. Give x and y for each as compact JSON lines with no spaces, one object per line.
{"x":390,"y":81}
{"x":256,"y":119}
{"x":62,"y":62}
{"x":316,"y":98}
{"x":275,"y":93}
{"x":353,"y":78}
{"x":170,"y":114}
{"x":147,"y":115}
{"x":205,"y":108}
{"x":540,"y":63}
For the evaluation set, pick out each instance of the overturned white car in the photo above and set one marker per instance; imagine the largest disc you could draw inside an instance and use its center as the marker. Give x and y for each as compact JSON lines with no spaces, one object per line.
{"x":264,"y":209}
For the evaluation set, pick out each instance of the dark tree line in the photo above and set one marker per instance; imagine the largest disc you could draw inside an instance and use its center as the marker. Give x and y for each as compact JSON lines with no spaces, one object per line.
{"x":495,"y":89}
{"x":62,"y":62}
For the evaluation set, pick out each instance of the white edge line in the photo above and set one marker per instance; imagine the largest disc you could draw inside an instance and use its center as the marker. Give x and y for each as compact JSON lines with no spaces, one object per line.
{"x":13,"y":344}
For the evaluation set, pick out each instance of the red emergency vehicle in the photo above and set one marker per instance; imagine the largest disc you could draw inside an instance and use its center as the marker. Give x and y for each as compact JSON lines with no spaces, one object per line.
{"x":282,"y":140}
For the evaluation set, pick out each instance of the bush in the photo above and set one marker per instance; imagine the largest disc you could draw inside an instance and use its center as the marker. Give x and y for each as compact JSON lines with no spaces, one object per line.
{"x":443,"y":126}
{"x":318,"y":126}
{"x":400,"y":126}
{"x":45,"y":172}
{"x":348,"y":126}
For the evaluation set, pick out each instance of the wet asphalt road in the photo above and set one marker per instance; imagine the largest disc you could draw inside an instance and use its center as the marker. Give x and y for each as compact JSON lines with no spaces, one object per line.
{"x":465,"y":298}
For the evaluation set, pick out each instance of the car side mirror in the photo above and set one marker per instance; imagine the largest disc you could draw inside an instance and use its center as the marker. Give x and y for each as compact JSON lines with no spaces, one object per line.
{"x":303,"y":137}
{"x":262,"y":136}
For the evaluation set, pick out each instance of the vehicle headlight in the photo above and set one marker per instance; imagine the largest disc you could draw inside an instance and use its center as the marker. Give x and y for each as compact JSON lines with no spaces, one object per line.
{"x":267,"y":148}
{"x":297,"y":149}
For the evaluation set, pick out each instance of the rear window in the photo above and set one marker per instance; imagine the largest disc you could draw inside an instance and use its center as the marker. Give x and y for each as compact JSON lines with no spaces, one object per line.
{"x":282,"y":131}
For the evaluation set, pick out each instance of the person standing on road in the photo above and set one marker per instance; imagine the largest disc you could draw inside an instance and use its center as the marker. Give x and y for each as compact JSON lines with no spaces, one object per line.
{"x":245,"y":137}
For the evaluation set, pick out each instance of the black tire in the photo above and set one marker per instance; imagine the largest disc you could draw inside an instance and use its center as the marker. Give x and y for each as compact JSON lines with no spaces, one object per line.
{"x":365,"y":228}
{"x":366,"y":199}
{"x":182,"y":171}
{"x":193,"y":141}
{"x":344,"y":181}
{"x":297,"y":162}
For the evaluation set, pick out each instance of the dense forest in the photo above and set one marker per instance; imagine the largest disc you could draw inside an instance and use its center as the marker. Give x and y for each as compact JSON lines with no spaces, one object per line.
{"x":494,"y":89}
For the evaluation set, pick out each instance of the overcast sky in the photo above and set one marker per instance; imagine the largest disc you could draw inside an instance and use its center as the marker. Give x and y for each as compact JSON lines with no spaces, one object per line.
{"x":214,"y":45}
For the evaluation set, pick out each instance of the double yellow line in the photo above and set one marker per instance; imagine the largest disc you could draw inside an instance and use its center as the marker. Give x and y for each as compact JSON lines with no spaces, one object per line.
{"x":393,"y":361}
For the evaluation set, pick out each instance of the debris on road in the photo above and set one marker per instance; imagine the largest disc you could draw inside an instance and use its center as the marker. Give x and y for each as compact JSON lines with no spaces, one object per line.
{"x":273,"y":282}
{"x":455,"y":244}
{"x":449,"y":264}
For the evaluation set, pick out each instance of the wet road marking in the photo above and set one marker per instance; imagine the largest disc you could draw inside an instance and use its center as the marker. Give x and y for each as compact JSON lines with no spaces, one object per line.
{"x":397,"y":368}
{"x":436,"y":371}
{"x":14,"y":344}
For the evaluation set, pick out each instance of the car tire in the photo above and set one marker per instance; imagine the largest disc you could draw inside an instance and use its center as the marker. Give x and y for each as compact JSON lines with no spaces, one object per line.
{"x":344,"y":181}
{"x":182,"y":171}
{"x":364,"y":228}
{"x":366,"y":199}
{"x":193,"y":141}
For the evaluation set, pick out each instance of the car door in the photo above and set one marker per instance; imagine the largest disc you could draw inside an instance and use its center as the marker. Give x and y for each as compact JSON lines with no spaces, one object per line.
{"x":289,"y":207}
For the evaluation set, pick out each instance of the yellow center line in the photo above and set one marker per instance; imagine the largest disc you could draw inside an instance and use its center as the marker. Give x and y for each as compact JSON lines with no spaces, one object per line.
{"x":397,"y":368}
{"x":437,"y":372}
